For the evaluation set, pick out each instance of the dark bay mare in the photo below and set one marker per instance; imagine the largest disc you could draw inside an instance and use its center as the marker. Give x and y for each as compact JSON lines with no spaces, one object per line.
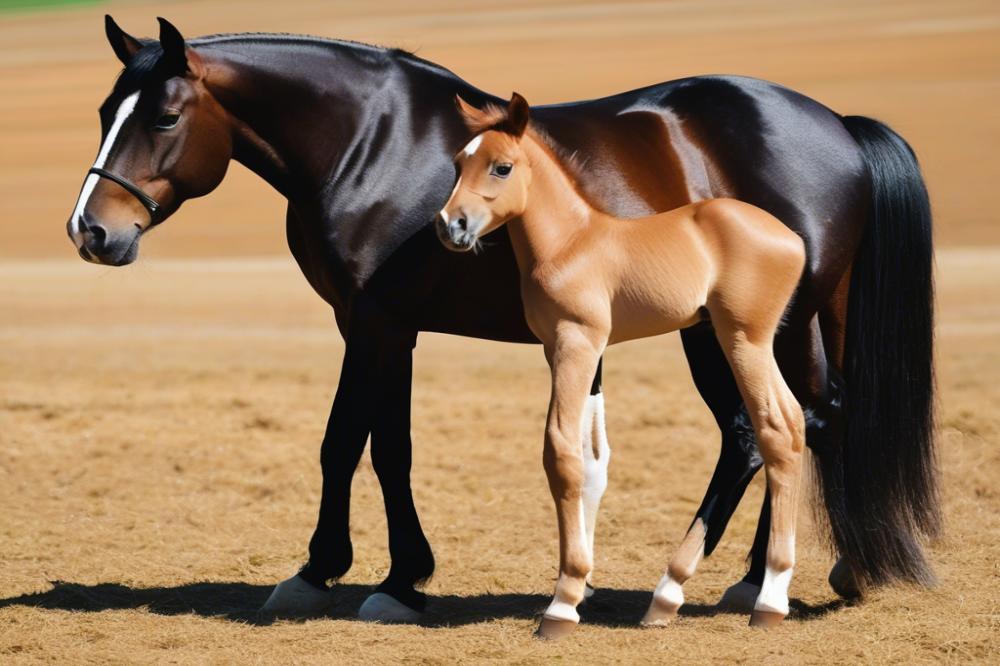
{"x":360,"y":140}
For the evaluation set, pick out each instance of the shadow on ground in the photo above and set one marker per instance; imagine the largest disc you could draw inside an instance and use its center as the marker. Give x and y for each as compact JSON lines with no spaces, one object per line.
{"x":239,"y":602}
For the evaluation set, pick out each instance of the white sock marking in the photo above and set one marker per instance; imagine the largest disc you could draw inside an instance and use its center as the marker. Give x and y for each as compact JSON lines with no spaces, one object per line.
{"x":773,"y":595}
{"x":670,"y":591}
{"x":560,"y":609}
{"x":595,"y":469}
{"x":125,"y":110}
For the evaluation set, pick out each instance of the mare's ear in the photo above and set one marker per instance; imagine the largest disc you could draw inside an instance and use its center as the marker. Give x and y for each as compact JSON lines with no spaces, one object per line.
{"x":518,"y":115}
{"x":123,"y":44}
{"x":473,"y":118}
{"x":177,"y":59}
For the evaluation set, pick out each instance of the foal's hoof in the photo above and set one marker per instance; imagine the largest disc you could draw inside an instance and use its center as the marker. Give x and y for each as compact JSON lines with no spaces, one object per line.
{"x":765,"y":618}
{"x":842,"y":580}
{"x":552,"y":629}
{"x":380,"y":607}
{"x":739,"y":598}
{"x":296,"y":598}
{"x":588,"y":591}
{"x":660,"y":613}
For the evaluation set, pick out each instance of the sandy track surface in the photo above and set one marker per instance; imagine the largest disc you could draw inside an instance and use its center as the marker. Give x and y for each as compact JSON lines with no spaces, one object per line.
{"x":160,"y":431}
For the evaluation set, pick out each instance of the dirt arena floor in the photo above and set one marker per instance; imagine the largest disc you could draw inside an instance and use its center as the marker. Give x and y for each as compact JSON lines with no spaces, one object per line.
{"x":160,"y":424}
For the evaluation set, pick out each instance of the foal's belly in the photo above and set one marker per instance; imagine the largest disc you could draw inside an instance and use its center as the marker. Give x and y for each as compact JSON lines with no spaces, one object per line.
{"x":631,"y":320}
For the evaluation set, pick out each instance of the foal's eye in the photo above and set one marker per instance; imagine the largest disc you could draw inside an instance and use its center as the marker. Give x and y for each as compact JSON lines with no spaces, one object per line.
{"x":167,"y":121}
{"x":501,"y":170}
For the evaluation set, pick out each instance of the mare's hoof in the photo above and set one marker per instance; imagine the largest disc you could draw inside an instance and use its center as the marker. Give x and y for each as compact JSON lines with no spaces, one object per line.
{"x":765,"y":619}
{"x":739,"y":598}
{"x":296,"y":598}
{"x":660,"y":613}
{"x":380,"y":607}
{"x":842,"y":580}
{"x":552,"y":629}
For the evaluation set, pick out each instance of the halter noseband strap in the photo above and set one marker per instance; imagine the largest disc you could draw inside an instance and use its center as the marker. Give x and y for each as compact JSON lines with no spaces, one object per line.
{"x":149,"y":202}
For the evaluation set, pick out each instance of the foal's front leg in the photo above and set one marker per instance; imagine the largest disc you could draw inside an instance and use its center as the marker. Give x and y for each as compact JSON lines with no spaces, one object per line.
{"x":573,"y":358}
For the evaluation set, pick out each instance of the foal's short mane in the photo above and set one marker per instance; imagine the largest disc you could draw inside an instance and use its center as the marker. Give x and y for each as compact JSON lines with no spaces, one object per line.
{"x":493,"y":118}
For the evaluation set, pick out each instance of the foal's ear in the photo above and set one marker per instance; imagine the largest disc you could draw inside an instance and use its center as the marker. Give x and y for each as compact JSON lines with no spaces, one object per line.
{"x":123,"y":44}
{"x":518,"y":114}
{"x":178,"y":59}
{"x":473,"y":118}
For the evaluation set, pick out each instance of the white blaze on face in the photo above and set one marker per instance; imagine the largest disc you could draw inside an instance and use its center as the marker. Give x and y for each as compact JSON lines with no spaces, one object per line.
{"x":125,"y":110}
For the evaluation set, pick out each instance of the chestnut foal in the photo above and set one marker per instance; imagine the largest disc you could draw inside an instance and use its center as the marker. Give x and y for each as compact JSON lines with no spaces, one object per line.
{"x":589,"y":280}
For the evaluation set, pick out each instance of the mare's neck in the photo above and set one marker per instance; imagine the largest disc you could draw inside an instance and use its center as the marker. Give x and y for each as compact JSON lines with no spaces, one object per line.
{"x":555,"y":211}
{"x":300,"y":106}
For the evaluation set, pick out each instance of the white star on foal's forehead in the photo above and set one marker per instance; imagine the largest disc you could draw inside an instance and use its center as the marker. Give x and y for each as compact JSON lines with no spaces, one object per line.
{"x":471,"y":148}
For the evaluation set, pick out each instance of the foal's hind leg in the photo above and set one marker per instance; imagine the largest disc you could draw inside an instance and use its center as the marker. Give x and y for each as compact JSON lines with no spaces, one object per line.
{"x":737,"y":464}
{"x":780,"y":428}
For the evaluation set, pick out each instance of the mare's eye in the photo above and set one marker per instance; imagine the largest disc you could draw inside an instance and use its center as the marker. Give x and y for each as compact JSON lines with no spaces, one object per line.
{"x":167,"y":121}
{"x":502,"y":170}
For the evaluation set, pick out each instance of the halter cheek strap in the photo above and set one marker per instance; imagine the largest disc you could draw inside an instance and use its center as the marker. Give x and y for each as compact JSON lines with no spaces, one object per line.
{"x":147,"y":201}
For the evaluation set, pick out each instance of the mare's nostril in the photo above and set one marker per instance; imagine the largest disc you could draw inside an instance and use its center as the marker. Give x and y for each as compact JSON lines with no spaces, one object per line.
{"x":462,"y":223}
{"x":98,"y":237}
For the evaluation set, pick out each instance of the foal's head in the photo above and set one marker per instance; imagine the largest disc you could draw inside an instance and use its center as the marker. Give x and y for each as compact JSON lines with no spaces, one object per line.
{"x":494,"y":175}
{"x":164,"y":139}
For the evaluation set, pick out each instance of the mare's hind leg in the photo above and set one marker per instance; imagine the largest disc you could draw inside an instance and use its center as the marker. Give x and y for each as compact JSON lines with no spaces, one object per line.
{"x":596,"y":456}
{"x":738,"y":461}
{"x":780,"y":428}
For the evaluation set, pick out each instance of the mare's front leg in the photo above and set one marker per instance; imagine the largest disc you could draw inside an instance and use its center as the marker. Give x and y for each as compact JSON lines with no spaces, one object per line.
{"x":396,"y":599}
{"x":573,"y":358}
{"x":373,"y":345}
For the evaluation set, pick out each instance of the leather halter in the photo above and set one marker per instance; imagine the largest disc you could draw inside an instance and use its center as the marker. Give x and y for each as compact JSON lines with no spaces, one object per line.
{"x":147,"y":201}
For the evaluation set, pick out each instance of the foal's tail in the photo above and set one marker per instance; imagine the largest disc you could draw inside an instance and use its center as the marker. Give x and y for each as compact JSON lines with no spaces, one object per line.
{"x":881,"y":488}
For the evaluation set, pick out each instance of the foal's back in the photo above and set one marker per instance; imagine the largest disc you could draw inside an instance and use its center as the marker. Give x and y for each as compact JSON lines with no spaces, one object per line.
{"x":720,"y":258}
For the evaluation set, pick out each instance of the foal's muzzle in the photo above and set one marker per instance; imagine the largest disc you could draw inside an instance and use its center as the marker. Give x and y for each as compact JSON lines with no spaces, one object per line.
{"x":454,"y":233}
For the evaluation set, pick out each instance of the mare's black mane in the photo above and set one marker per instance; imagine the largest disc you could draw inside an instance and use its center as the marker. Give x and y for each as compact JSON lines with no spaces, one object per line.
{"x":143,"y":69}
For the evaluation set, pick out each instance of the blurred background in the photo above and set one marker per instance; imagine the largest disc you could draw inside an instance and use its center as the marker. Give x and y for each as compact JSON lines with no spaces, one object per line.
{"x":930,"y":69}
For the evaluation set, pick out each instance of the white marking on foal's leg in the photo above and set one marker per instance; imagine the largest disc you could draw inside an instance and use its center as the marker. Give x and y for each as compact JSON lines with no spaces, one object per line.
{"x":471,"y":148}
{"x":561,"y":609}
{"x":668,"y":597}
{"x":125,"y":110}
{"x":773,"y":597}
{"x":596,"y":456}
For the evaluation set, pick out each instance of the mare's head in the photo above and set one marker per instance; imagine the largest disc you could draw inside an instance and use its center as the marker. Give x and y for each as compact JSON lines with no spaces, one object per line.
{"x":164,"y":139}
{"x":493,"y":175}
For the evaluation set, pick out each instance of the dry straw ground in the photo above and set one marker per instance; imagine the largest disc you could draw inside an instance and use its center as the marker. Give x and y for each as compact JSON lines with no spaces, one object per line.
{"x":159,"y":425}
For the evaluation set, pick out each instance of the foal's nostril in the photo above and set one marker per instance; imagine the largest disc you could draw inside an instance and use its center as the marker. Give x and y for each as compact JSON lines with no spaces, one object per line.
{"x":462,"y":223}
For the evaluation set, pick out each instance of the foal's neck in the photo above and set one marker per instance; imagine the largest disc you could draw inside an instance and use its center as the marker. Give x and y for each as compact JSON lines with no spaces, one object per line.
{"x":555,"y":212}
